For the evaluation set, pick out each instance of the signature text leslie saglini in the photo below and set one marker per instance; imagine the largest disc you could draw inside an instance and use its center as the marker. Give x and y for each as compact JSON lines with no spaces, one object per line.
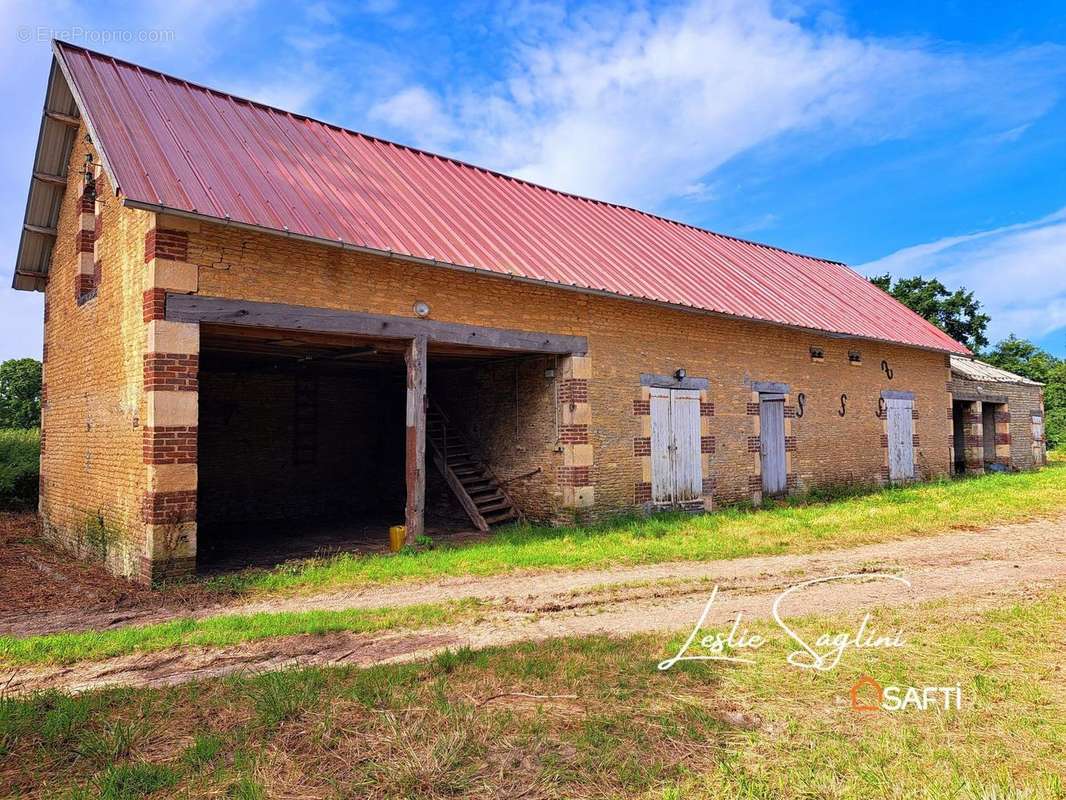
{"x":822,"y":653}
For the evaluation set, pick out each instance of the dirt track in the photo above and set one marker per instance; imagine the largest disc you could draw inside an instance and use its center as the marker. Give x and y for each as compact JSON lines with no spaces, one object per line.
{"x":1007,"y":562}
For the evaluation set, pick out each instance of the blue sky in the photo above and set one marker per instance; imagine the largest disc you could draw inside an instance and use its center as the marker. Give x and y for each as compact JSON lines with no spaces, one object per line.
{"x":911,"y":137}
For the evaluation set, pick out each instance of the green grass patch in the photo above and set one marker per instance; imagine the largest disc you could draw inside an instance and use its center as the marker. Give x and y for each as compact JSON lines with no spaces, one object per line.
{"x":844,"y":518}
{"x":585,"y":717}
{"x":222,"y":631}
{"x":20,"y":467}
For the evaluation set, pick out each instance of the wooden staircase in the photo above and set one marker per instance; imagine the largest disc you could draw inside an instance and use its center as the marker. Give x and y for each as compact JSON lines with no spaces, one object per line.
{"x":472,"y":482}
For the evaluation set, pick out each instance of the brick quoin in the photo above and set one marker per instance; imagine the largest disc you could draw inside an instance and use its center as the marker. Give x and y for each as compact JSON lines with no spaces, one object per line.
{"x":754,"y":444}
{"x":84,"y":241}
{"x":87,"y":201}
{"x":755,"y":483}
{"x":753,"y":409}
{"x":914,"y":413}
{"x":574,"y":434}
{"x":642,"y":408}
{"x":790,"y":444}
{"x":170,"y":444}
{"x":83,"y":288}
{"x":708,"y":486}
{"x":155,"y":304}
{"x":1002,"y":416}
{"x":707,"y":444}
{"x":706,"y":409}
{"x":642,"y":446}
{"x":884,"y":440}
{"x":790,"y":412}
{"x":174,"y":372}
{"x":642,"y":493}
{"x":1002,"y":438}
{"x":168,"y":244}
{"x":162,"y":508}
{"x":574,"y":390}
{"x":575,"y":476}
{"x":915,"y":440}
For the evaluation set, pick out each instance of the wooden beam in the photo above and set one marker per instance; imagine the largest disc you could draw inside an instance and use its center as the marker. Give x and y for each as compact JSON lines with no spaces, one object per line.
{"x":38,"y":229}
{"x":415,"y":470}
{"x":282,"y":316}
{"x":65,"y":119}
{"x":57,"y":180}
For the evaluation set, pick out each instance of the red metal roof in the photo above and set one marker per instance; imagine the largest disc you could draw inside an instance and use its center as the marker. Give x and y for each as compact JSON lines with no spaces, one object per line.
{"x":173,"y":144}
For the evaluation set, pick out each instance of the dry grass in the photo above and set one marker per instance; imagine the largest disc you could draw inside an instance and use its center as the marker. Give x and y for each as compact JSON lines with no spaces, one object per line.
{"x":588,"y":717}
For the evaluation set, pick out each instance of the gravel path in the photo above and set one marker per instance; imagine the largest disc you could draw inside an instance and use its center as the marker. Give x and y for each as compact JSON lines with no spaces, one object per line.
{"x":993,"y":566}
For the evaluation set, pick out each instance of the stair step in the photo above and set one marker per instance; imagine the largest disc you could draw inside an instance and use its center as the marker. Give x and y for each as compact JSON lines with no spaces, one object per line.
{"x":499,"y":506}
{"x":493,"y":519}
{"x":486,"y":489}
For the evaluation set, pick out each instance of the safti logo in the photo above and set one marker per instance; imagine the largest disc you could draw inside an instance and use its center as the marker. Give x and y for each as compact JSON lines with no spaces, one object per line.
{"x":868,"y":695}
{"x":871,"y":689}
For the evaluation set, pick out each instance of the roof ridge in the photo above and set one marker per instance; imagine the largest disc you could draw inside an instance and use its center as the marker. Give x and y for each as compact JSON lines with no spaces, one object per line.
{"x":458,"y":161}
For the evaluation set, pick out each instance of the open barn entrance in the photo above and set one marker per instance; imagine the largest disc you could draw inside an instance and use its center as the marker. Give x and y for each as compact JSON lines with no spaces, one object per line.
{"x":303,"y":441}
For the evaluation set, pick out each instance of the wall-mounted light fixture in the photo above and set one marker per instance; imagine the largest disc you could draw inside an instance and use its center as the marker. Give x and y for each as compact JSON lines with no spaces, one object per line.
{"x":89,"y":177}
{"x":680,"y":374}
{"x":421,"y":308}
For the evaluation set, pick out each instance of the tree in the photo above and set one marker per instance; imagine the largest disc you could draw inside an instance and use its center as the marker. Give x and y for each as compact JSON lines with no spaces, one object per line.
{"x":20,"y":393}
{"x":1024,"y":358}
{"x":956,"y":313}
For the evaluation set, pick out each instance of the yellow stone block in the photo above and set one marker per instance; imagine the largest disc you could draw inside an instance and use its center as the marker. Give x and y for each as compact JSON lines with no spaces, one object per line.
{"x":178,"y":276}
{"x":576,"y":414}
{"x":172,"y":408}
{"x":577,"y":455}
{"x":173,"y":337}
{"x":171,"y":477}
{"x":579,"y":497}
{"x":170,"y":541}
{"x":86,"y":264}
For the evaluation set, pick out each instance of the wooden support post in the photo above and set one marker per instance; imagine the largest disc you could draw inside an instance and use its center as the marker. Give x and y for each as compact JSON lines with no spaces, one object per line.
{"x":414,"y":518}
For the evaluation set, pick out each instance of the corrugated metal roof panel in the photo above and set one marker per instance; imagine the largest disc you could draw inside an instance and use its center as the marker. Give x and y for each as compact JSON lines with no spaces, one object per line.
{"x":974,"y":370}
{"x":170,"y":143}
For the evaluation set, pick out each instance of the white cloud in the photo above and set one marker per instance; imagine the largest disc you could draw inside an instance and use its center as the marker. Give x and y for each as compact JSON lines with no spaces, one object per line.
{"x":1018,"y":272}
{"x":640,"y":107}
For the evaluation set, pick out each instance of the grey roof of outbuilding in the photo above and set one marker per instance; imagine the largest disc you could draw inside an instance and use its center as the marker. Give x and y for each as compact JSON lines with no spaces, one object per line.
{"x":973,"y":370}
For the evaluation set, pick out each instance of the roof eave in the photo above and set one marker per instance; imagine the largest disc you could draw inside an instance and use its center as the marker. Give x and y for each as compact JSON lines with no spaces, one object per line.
{"x":62,"y":112}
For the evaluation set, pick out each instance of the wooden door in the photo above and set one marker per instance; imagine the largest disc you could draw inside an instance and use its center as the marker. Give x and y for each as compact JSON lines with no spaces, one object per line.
{"x":676,"y":469}
{"x":772,"y":444}
{"x":900,"y":438}
{"x":685,"y":424}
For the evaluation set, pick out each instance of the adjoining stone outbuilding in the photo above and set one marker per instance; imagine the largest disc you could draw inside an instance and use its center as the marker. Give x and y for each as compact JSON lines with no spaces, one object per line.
{"x":997,"y":419}
{"x":260,"y":328}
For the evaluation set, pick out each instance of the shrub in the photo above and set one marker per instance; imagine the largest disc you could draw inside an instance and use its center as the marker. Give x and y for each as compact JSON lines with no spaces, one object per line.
{"x":20,"y":467}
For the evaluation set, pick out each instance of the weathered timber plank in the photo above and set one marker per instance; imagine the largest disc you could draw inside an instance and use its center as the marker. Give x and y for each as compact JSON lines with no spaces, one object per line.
{"x":282,"y":316}
{"x":415,"y":469}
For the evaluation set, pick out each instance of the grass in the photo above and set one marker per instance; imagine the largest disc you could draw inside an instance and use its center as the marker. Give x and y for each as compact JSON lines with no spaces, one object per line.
{"x":797,"y":525}
{"x":587,"y":717}
{"x":20,"y":466}
{"x":222,"y":631}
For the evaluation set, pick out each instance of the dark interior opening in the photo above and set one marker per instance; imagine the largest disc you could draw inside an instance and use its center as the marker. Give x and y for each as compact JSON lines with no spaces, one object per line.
{"x":959,"y":434}
{"x":988,"y":431}
{"x":301,"y":448}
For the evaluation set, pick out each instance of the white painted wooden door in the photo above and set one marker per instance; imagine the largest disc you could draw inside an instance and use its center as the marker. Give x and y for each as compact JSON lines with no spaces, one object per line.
{"x":685,"y":422}
{"x":900,"y":438}
{"x":772,"y":444}
{"x":676,"y":468}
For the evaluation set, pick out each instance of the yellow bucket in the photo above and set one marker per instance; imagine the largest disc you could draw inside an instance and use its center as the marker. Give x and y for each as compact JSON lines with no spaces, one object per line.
{"x":397,"y":537}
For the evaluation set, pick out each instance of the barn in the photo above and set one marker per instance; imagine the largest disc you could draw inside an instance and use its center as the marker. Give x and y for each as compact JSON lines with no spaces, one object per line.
{"x":265,"y":334}
{"x":997,"y":419}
